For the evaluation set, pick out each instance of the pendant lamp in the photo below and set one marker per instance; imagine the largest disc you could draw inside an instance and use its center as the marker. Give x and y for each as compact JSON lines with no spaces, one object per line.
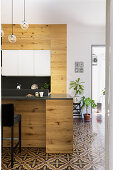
{"x":24,"y":25}
{"x":12,"y":37}
{"x":2,"y":32}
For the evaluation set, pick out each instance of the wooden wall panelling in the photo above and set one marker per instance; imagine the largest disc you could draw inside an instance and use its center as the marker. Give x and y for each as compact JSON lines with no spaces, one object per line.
{"x":58,"y":73}
{"x":43,"y":37}
{"x":33,"y":122}
{"x":59,"y":126}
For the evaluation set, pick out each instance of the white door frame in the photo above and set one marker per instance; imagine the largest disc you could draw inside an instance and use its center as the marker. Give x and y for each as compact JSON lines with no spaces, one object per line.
{"x":109,"y":87}
{"x":95,"y":45}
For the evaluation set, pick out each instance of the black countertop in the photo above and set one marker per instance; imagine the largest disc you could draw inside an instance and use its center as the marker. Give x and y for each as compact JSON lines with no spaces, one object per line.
{"x":51,"y":97}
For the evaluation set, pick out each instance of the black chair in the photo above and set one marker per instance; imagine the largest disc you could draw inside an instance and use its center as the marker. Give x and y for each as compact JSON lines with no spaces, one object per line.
{"x":9,"y":119}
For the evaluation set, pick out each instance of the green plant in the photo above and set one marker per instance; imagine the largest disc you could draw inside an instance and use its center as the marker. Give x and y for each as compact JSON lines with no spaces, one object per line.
{"x":78,"y":87}
{"x":103,"y":91}
{"x":86,"y":102}
{"x":45,"y":86}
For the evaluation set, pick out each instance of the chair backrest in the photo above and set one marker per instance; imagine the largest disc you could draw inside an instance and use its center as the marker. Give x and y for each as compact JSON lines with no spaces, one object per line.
{"x":7,"y":114}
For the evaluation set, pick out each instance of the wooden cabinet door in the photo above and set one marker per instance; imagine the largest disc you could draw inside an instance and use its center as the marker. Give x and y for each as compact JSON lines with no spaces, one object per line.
{"x":59,"y":126}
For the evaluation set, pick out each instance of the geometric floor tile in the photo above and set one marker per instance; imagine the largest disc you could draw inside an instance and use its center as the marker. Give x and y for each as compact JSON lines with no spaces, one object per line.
{"x":88,"y":151}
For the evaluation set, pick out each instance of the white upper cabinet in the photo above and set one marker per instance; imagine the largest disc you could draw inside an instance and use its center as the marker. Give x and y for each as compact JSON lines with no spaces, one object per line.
{"x":26,"y":63}
{"x":10,"y":63}
{"x":42,"y":62}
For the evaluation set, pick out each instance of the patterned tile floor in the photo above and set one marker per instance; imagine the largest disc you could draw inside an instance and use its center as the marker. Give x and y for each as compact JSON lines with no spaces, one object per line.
{"x":88,"y":151}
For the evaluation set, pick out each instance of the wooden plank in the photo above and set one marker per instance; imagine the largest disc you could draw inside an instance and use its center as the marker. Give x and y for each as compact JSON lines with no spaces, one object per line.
{"x":26,"y":44}
{"x":58,"y":71}
{"x":33,"y":122}
{"x":59,"y":45}
{"x":59,"y":126}
{"x":43,"y":37}
{"x":28,"y":132}
{"x":26,"y":143}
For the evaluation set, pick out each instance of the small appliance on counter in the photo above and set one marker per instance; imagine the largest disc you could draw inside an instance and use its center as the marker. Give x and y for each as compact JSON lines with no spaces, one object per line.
{"x":49,"y":94}
{"x":34,"y":86}
{"x":18,"y":86}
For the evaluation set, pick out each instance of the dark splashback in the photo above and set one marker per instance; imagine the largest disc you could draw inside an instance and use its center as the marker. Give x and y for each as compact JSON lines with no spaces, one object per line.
{"x":26,"y":82}
{"x":23,"y":92}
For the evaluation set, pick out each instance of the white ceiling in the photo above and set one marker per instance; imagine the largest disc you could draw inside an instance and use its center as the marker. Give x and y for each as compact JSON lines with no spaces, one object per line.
{"x":88,"y":12}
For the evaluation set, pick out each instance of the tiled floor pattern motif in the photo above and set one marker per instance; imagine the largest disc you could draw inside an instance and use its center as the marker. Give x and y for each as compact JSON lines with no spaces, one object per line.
{"x":88,"y":152}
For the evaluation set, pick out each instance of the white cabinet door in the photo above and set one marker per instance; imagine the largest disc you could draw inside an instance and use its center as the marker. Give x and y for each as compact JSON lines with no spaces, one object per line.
{"x":26,"y":63}
{"x":26,"y":59}
{"x":9,"y":62}
{"x":42,"y":62}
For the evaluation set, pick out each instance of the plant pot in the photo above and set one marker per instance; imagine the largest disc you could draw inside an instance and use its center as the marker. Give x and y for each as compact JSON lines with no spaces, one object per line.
{"x":76,"y":99}
{"x":87,"y":117}
{"x":99,"y":107}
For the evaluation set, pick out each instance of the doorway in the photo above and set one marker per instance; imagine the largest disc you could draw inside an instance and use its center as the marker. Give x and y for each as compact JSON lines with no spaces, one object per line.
{"x":98,"y":78}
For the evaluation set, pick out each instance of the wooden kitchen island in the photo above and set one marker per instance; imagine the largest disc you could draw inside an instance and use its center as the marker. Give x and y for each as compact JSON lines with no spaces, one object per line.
{"x":46,"y":122}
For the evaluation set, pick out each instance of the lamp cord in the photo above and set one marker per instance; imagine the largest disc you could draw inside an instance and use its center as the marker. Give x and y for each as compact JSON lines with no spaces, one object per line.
{"x":12,"y":16}
{"x":24,"y":10}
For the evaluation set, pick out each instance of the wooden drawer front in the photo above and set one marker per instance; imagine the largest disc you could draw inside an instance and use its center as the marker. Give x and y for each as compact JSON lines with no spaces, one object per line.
{"x":59,"y":126}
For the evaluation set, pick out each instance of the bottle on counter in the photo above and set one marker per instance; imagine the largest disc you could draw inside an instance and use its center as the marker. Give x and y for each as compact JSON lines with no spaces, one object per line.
{"x":36,"y":94}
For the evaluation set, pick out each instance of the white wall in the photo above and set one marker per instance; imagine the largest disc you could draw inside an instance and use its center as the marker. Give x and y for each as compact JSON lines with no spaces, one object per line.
{"x":80,"y":39}
{"x":55,"y":11}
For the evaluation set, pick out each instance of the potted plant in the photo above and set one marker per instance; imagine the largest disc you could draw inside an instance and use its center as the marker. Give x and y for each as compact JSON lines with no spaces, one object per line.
{"x":45,"y":86}
{"x":86,"y":102}
{"x":78,"y":87}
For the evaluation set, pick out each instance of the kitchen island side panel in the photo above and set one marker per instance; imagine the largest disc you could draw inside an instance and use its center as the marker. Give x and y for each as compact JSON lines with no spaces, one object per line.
{"x":33,"y":122}
{"x":59,"y":126}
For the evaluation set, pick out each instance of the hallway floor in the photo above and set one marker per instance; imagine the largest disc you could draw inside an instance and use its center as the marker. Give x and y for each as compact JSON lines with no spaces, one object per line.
{"x":88,"y":151}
